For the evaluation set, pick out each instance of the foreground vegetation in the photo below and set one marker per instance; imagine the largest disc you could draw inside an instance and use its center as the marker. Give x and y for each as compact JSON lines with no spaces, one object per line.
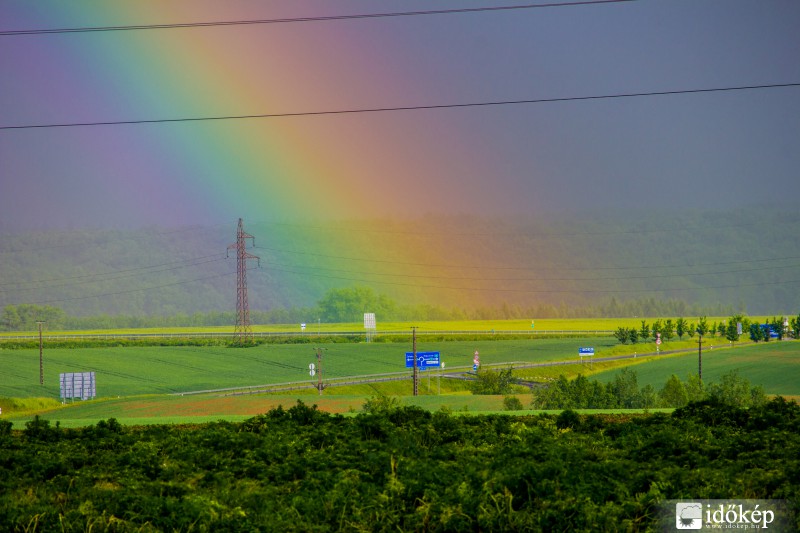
{"x":395,"y":468}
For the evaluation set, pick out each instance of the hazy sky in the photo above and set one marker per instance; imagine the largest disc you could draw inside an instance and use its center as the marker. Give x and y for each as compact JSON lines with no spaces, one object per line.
{"x":714,"y":149}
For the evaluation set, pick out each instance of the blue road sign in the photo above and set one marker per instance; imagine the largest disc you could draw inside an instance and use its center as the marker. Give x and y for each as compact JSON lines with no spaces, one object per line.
{"x":424,"y":359}
{"x":585,"y":351}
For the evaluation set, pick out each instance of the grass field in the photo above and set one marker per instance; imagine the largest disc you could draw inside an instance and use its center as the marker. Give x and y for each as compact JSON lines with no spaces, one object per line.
{"x":156,"y":370}
{"x":774,"y":365}
{"x":144,"y":384}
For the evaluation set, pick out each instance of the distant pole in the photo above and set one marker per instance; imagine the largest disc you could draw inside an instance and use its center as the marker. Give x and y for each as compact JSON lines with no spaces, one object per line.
{"x":41,"y":361}
{"x":700,"y":357}
{"x":319,"y":370}
{"x":414,"y":352}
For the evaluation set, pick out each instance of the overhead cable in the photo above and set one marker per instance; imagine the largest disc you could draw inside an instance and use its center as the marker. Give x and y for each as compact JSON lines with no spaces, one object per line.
{"x":328,"y":18}
{"x":398,"y":108}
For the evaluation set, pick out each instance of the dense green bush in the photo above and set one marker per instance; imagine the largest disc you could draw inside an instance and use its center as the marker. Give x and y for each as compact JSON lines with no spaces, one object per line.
{"x":624,"y":392}
{"x":395,"y":468}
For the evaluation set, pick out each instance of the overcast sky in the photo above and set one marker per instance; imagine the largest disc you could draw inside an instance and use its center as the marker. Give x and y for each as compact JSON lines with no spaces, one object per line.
{"x":717,"y":149}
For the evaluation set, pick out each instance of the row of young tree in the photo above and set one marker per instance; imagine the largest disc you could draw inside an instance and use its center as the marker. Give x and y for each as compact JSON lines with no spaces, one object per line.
{"x":668,"y":329}
{"x":624,"y":392}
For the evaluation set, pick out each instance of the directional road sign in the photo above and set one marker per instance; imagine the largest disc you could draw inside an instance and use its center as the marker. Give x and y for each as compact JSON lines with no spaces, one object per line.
{"x":585,"y":351}
{"x":424,"y":359}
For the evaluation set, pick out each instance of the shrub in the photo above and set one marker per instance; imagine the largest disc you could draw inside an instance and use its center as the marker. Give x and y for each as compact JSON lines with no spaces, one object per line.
{"x":512,"y":403}
{"x":568,"y":419}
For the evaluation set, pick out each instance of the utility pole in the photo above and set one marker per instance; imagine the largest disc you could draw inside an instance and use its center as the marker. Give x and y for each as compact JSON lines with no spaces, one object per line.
{"x":414,"y":352}
{"x":319,"y":370}
{"x":41,"y":361}
{"x":700,"y":357}
{"x":243,"y":332}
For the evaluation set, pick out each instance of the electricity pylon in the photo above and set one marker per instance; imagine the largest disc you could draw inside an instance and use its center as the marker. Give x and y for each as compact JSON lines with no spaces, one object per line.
{"x":242,"y":332}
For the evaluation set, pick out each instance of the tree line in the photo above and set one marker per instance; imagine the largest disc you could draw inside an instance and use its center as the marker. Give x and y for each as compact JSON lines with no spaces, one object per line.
{"x":337,"y":305}
{"x":153,"y":272}
{"x":624,"y":392}
{"x":668,"y":329}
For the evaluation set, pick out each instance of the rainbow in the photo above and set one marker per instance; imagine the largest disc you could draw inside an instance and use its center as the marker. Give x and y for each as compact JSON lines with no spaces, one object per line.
{"x":313,"y":169}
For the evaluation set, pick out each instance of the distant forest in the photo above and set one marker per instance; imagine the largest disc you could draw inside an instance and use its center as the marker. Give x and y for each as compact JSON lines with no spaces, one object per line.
{"x":691,"y":263}
{"x":339,"y":306}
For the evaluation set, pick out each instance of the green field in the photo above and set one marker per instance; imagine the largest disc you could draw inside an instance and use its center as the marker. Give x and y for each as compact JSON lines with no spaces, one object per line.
{"x":156,"y":370}
{"x":774,"y":365}
{"x":145,"y":384}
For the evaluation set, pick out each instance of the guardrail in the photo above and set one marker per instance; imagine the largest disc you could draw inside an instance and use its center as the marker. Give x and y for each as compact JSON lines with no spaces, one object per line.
{"x":261,"y":334}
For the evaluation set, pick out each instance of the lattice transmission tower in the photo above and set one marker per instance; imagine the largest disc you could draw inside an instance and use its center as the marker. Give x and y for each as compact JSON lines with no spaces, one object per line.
{"x":243,"y":332}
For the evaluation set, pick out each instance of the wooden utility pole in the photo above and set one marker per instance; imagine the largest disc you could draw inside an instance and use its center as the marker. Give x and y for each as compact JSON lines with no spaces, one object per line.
{"x":414,"y":352}
{"x":700,"y":357}
{"x":319,"y":370}
{"x":41,"y":362}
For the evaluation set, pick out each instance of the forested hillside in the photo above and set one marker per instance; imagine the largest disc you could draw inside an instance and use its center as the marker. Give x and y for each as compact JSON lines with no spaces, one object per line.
{"x":743,"y":260}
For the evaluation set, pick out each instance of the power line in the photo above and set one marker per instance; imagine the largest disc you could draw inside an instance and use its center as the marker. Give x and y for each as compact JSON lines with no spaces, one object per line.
{"x":202,"y":260}
{"x":547,"y":291}
{"x":540,"y":279}
{"x":365,"y":229}
{"x":91,"y":240}
{"x":112,"y":276}
{"x":127,"y":291}
{"x":418,"y":233}
{"x":416,"y":285}
{"x":400,"y":108}
{"x":559,"y":267}
{"x":329,"y":18}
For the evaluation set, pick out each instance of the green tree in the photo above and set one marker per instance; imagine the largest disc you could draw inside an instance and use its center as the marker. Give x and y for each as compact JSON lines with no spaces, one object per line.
{"x":777,"y":326}
{"x":733,"y":389}
{"x":644,"y":332}
{"x":554,"y":396}
{"x":633,"y":335}
{"x":24,"y":317}
{"x":491,"y":382}
{"x":795,"y":327}
{"x":755,"y":333}
{"x":350,"y":304}
{"x":11,"y":320}
{"x":673,"y":394}
{"x":669,"y":330}
{"x":648,"y":397}
{"x":732,"y":331}
{"x":626,"y":389}
{"x":702,"y":326}
{"x":694,"y":388}
{"x":681,"y":327}
{"x":621,"y":335}
{"x":656,"y":328}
